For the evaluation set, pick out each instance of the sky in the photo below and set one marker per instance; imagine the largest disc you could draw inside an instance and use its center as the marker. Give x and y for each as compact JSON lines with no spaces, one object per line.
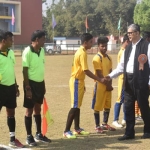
{"x":44,"y":7}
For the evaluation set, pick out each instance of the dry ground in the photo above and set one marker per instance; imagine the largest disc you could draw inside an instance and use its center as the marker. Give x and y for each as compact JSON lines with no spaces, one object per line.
{"x":58,"y":69}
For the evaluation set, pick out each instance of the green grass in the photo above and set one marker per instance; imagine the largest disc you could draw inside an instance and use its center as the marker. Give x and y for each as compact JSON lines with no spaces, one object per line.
{"x":57,"y":74}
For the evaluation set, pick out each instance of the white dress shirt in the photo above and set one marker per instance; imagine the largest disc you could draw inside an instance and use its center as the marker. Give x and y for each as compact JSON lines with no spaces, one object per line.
{"x":130,"y":64}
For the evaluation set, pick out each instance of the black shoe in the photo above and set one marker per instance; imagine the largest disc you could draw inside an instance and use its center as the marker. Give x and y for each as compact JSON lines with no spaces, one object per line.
{"x":40,"y":138}
{"x":125,"y":137}
{"x":30,"y":141}
{"x":146,"y":136}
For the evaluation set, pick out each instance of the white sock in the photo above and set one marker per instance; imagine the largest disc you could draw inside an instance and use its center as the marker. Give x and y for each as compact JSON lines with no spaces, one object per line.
{"x":12,"y":134}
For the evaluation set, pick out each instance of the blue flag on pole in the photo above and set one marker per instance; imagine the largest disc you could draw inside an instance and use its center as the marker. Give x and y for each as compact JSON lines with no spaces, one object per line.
{"x":53,"y":21}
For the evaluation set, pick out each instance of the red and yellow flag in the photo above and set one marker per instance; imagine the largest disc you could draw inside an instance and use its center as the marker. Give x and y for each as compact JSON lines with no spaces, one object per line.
{"x":86,"y":23}
{"x":47,"y":118}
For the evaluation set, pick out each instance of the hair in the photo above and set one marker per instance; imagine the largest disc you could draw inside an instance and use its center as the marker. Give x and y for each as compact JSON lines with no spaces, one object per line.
{"x":125,"y":38}
{"x":102,"y":40}
{"x":134,"y":27}
{"x":5,"y":34}
{"x":37,"y":34}
{"x":146,"y":34}
{"x":85,"y":37}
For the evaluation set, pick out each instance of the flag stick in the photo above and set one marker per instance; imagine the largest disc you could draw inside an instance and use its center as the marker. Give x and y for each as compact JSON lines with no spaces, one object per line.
{"x":53,"y":35}
{"x":119,"y":35}
{"x":13,"y":45}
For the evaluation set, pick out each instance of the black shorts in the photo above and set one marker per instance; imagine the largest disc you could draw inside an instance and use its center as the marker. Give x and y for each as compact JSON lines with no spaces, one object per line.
{"x":8,"y":96}
{"x":38,"y":91}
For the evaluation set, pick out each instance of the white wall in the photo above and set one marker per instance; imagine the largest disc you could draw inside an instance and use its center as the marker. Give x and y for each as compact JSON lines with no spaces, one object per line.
{"x":73,"y":41}
{"x":68,"y":44}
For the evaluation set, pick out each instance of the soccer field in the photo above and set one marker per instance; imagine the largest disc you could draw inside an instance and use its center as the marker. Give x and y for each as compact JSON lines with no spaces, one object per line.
{"x":57,"y":74}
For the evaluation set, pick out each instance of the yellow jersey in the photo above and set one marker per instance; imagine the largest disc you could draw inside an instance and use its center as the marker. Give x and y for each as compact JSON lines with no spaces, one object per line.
{"x":104,"y":64}
{"x":120,"y":78}
{"x":120,"y":53}
{"x":79,"y":64}
{"x":119,"y":57}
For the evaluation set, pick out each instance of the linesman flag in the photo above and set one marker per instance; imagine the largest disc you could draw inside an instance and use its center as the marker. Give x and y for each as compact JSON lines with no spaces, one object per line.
{"x":47,"y":118}
{"x":53,"y":21}
{"x":86,"y":23}
{"x":119,"y":24}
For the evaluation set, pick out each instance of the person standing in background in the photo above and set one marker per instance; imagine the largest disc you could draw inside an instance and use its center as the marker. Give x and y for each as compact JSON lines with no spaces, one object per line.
{"x":120,"y":99}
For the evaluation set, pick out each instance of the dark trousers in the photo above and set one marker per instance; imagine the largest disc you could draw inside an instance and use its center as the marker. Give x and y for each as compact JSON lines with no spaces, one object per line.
{"x":141,"y":95}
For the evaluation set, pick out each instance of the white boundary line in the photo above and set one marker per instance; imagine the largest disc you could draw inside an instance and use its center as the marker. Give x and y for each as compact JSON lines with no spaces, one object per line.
{"x":9,"y":148}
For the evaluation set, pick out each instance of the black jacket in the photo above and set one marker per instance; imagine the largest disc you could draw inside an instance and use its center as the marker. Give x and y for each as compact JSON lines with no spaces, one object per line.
{"x":140,"y":77}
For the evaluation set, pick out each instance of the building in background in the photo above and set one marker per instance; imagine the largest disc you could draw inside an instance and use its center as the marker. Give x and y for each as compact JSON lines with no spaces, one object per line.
{"x":21,"y":17}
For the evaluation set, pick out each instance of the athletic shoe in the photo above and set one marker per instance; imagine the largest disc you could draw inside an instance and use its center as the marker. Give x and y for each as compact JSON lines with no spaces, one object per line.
{"x":107,"y":127}
{"x":81,"y":132}
{"x":123,"y":122}
{"x":139,"y":118}
{"x":30,"y":141}
{"x":117,"y":124}
{"x":40,"y":138}
{"x":99,"y":129}
{"x":16,"y":144}
{"x":69,"y":135}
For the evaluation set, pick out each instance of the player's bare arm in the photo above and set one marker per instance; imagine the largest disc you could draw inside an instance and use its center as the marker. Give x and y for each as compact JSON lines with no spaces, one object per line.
{"x":100,"y":75}
{"x":26,"y":82}
{"x":91,"y":75}
{"x":17,"y":89}
{"x":109,"y":83}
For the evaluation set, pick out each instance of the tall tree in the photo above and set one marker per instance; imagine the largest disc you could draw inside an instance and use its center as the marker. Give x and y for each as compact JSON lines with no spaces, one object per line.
{"x":142,"y":15}
{"x":113,"y":10}
{"x":103,"y":16}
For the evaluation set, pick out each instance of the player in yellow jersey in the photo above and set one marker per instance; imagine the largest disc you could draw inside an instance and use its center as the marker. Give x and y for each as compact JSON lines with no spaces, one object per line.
{"x":101,"y":101}
{"x":120,"y":98}
{"x":77,"y":86}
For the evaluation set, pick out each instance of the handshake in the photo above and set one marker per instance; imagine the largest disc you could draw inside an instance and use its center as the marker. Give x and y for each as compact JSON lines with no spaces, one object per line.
{"x":106,"y":81}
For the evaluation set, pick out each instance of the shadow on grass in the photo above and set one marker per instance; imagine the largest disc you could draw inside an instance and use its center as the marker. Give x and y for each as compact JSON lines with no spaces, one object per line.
{"x":107,"y":140}
{"x":91,"y":142}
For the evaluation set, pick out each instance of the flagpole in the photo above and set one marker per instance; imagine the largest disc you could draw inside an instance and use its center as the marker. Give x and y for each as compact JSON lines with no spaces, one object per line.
{"x":53,"y":35}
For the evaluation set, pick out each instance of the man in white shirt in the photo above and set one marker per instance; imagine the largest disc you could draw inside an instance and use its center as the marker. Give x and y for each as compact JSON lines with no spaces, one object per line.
{"x":135,"y":65}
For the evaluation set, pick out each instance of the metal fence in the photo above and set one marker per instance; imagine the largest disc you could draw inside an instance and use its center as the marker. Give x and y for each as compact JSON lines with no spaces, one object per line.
{"x":69,"y":49}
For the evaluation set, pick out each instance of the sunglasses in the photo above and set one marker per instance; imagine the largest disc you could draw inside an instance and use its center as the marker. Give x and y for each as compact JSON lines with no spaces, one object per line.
{"x":131,"y":32}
